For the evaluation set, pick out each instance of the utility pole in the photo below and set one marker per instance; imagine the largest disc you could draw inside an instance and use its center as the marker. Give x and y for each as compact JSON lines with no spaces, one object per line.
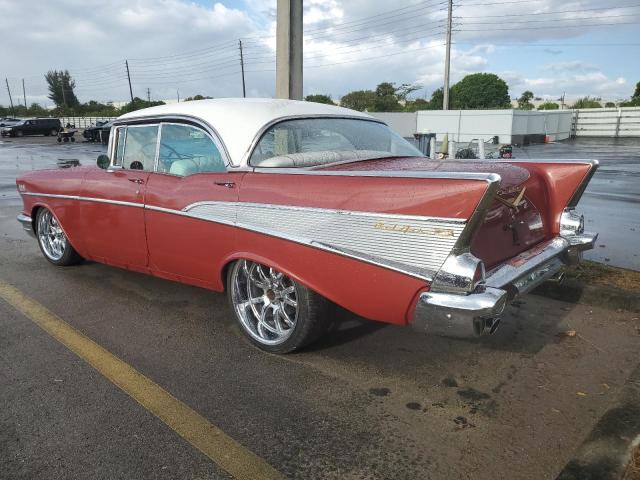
{"x":289,"y":50}
{"x":178,"y":94}
{"x":244,"y":91}
{"x":148,"y":95}
{"x":10,"y":99}
{"x":24,"y":95}
{"x":447,"y":60}
{"x":126,"y":62}
{"x":64,"y":92}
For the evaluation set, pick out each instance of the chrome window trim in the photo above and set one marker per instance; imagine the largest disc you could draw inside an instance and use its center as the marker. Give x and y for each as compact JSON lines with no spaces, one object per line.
{"x":244,"y":162}
{"x":122,"y":167}
{"x":187,"y":119}
{"x":157,"y":153}
{"x":488,"y":177}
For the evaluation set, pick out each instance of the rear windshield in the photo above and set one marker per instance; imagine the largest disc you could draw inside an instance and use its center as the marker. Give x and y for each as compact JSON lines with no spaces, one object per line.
{"x":320,"y":141}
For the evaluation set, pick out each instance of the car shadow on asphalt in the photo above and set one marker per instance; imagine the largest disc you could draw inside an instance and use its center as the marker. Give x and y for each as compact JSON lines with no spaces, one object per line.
{"x":528,"y":325}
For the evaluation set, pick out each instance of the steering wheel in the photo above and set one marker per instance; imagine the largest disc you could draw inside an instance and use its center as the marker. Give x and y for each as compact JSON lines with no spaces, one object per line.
{"x":168,"y":159}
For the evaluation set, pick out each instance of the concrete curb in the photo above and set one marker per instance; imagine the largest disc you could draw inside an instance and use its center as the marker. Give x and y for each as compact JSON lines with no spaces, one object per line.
{"x":607,"y":450}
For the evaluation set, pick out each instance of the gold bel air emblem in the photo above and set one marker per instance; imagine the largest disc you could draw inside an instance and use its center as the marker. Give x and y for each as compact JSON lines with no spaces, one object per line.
{"x":512,"y":202}
{"x":428,"y":231}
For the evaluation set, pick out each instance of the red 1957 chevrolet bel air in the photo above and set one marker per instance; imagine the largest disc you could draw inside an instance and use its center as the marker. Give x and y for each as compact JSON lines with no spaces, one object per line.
{"x":289,"y":206}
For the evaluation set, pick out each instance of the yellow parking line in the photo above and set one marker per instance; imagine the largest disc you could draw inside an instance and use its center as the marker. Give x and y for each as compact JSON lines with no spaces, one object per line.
{"x":193,"y":427}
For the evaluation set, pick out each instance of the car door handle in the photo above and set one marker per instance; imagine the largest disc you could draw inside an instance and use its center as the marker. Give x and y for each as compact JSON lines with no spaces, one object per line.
{"x":139,"y":181}
{"x":225,"y":184}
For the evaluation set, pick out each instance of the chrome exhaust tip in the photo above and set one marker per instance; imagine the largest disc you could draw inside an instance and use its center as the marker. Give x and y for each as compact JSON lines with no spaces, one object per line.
{"x":557,"y":278}
{"x":491,"y":325}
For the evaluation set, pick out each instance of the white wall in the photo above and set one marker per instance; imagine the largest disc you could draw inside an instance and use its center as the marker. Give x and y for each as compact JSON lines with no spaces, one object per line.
{"x":403,"y":123}
{"x":466,"y":125}
{"x":607,"y":122}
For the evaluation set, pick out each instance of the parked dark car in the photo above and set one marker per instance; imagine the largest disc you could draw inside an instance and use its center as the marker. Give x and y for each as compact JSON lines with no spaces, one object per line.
{"x":92,"y":133}
{"x":33,"y":126}
{"x":101,"y":133}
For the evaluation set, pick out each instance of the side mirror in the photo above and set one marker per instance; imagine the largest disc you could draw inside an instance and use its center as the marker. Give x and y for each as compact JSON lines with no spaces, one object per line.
{"x":103,"y":161}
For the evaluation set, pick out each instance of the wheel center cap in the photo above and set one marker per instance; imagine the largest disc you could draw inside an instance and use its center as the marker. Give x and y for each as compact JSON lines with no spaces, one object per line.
{"x":271,"y":295}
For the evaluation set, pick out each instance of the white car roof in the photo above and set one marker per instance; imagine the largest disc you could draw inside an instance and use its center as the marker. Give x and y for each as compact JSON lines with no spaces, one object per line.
{"x":239,"y":120}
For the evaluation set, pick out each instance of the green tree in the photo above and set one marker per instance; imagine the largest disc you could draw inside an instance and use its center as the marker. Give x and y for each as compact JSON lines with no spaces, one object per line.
{"x":403,"y":91}
{"x":587,"y":102}
{"x":635,"y":98}
{"x":94,"y":108}
{"x":137,"y":104}
{"x":548,"y":106}
{"x":480,"y":91}
{"x":524,"y":102}
{"x":386,"y":98}
{"x":437,"y":99}
{"x":61,"y":85}
{"x":197,"y":97}
{"x":320,"y":98}
{"x":38,"y":110}
{"x":359,"y":100}
{"x":610,"y":105}
{"x":417,"y":104}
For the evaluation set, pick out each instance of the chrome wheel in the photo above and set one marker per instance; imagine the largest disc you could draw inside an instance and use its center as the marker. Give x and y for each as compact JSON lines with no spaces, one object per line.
{"x":265,"y":301}
{"x":51,"y":237}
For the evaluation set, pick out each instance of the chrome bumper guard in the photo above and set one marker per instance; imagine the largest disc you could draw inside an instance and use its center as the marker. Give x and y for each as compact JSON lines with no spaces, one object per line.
{"x":477,"y":313}
{"x":27,"y":224}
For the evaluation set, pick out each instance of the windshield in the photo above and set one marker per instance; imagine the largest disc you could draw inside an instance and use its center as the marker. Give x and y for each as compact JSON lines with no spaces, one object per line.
{"x":320,"y":141}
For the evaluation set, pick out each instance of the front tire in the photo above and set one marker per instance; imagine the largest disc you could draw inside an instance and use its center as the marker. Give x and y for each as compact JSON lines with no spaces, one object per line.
{"x":277,"y":314}
{"x":53,"y":242}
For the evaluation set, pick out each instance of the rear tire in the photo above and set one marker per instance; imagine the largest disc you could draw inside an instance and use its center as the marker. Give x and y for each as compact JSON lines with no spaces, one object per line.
{"x":276,"y":313}
{"x":52,"y":240}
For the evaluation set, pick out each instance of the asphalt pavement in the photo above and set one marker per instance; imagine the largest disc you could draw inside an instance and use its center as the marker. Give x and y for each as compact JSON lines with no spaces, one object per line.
{"x":368,"y":401}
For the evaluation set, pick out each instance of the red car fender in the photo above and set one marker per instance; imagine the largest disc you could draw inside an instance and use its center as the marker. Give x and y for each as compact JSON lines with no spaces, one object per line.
{"x":32,"y":211}
{"x":386,"y":296}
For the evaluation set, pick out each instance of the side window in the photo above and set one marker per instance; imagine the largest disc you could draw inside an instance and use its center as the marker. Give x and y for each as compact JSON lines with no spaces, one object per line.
{"x":186,"y":150}
{"x":140,"y":147}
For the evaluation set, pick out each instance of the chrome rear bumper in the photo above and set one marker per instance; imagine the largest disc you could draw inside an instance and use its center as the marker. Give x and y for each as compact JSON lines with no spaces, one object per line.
{"x":477,"y":313}
{"x":27,"y":224}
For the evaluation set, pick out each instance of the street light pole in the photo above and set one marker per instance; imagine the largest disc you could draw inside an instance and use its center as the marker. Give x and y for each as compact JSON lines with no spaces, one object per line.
{"x":447,"y":60}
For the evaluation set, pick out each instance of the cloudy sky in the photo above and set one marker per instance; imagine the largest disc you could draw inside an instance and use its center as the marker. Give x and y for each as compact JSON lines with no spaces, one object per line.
{"x":176,"y":47}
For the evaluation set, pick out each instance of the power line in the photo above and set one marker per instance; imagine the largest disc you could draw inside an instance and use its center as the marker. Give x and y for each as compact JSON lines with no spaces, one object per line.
{"x":385,"y":14}
{"x":549,"y":27}
{"x":550,"y":20}
{"x":552,"y":13}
